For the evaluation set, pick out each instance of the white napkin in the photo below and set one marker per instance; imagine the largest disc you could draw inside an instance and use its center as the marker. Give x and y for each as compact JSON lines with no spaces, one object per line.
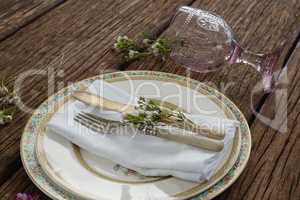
{"x":148,"y":155}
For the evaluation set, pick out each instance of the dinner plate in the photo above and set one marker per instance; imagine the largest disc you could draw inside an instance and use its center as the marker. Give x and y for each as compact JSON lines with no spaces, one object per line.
{"x":64,"y":171}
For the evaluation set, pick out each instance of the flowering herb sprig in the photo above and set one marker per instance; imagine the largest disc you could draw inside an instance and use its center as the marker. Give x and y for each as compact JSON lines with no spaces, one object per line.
{"x":8,"y":100}
{"x":150,"y":113}
{"x":161,"y":47}
{"x":134,"y":50}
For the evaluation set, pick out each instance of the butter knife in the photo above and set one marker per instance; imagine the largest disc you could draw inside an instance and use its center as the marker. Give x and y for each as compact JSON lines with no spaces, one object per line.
{"x":127,"y":109}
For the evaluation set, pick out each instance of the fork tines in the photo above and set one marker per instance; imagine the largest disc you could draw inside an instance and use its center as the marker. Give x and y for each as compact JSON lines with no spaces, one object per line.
{"x":97,"y":124}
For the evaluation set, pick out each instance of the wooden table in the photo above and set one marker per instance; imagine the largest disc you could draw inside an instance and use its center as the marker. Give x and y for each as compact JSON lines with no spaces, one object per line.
{"x":75,"y":37}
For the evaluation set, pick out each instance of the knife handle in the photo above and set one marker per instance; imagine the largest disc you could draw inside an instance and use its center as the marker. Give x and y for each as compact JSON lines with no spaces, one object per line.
{"x":100,"y":102}
{"x":190,"y":139}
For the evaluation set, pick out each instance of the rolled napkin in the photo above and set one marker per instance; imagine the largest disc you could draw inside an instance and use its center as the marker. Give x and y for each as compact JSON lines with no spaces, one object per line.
{"x":148,"y":155}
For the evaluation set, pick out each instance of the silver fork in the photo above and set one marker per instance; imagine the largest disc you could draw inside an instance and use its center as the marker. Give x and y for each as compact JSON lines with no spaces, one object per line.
{"x":101,"y":125}
{"x":98,"y":124}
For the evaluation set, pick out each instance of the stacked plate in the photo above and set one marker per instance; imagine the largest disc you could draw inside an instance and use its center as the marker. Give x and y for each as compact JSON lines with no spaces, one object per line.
{"x":64,"y":171}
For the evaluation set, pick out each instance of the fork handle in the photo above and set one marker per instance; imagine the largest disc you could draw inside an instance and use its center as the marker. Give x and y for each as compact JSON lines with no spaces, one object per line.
{"x":101,"y":102}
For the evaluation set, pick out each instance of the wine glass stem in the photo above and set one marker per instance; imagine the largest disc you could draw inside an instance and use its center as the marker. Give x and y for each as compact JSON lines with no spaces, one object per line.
{"x":252,"y":59}
{"x":263,"y":63}
{"x":247,"y":57}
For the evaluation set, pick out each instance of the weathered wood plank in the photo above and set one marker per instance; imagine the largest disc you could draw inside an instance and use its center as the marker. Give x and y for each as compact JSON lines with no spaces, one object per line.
{"x":16,"y":14}
{"x":273,"y":170}
{"x":261,"y":26}
{"x":69,"y":49}
{"x":71,"y":42}
{"x":20,"y":183}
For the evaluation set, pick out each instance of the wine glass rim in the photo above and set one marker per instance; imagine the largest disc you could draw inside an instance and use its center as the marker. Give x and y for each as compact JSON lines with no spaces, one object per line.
{"x":204,"y":14}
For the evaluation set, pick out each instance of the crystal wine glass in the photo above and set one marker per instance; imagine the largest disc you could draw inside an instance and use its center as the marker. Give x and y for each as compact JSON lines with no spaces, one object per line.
{"x":205,"y":42}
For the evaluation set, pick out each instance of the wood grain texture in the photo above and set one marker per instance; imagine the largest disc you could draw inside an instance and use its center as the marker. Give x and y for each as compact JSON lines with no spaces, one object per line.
{"x":260,"y":26}
{"x":273,"y":170}
{"x":15,"y":14}
{"x":20,"y":183}
{"x":68,"y":44}
{"x":73,"y":41}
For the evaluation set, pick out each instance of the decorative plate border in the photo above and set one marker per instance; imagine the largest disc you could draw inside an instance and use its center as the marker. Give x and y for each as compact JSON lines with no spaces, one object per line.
{"x":34,"y":171}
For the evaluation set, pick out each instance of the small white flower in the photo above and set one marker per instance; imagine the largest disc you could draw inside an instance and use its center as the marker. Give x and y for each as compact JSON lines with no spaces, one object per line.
{"x":155,"y":51}
{"x":155,"y":45}
{"x":122,"y":38}
{"x":119,"y":39}
{"x":132,"y":53}
{"x":146,"y":41}
{"x":116,"y":47}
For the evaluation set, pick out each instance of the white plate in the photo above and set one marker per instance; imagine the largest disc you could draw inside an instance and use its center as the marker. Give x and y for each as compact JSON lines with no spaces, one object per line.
{"x":78,"y":174}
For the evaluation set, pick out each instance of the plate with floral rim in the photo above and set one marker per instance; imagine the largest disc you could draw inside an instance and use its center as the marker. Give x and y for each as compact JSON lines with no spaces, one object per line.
{"x":126,"y":180}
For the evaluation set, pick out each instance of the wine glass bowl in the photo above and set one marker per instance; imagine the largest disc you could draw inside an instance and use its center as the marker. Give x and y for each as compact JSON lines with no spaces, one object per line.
{"x":204,"y":42}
